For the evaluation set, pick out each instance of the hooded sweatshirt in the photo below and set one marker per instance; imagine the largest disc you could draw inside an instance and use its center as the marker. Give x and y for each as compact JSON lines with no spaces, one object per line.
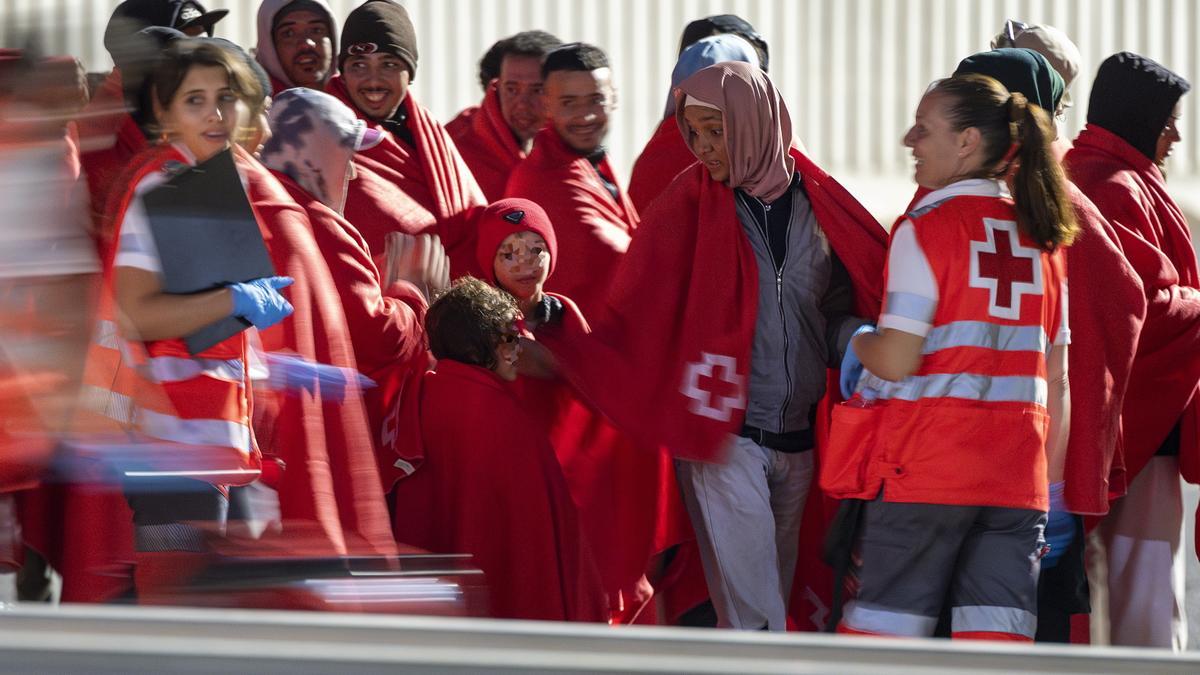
{"x":265,"y":49}
{"x":1133,"y":97}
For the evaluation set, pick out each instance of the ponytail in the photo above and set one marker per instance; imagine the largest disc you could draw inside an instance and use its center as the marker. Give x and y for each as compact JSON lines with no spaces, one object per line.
{"x":1039,"y":186}
{"x":1017,"y":137}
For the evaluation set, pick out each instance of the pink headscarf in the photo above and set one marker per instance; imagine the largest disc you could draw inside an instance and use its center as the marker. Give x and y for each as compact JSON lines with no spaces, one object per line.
{"x":758,"y":128}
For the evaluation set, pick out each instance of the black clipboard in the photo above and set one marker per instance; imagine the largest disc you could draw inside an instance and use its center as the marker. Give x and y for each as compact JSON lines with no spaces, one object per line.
{"x":207,"y":238}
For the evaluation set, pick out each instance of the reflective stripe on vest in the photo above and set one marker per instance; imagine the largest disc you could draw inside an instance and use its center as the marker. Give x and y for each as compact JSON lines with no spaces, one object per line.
{"x":986,"y":335}
{"x":124,"y":410}
{"x":969,"y":386}
{"x":163,"y":369}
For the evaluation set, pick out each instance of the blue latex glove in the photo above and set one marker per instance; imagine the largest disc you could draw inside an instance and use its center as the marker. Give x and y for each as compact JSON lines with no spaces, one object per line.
{"x":260,"y":302}
{"x":293,"y":373}
{"x":852,"y":368}
{"x":1061,"y":526}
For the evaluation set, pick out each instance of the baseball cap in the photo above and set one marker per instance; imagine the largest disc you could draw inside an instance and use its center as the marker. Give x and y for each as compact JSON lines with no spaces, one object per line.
{"x":1048,"y":41}
{"x":133,"y":15}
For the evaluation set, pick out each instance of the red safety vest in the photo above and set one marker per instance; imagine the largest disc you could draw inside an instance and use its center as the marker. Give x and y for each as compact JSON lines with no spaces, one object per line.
{"x":185,"y":415}
{"x":969,"y":426}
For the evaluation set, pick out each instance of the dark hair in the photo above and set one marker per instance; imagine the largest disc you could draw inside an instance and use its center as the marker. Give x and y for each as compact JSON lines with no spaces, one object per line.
{"x":578,"y":56}
{"x":1008,"y":123}
{"x":466,"y":322}
{"x":726,"y":24}
{"x":535,"y":43}
{"x":183,"y":55}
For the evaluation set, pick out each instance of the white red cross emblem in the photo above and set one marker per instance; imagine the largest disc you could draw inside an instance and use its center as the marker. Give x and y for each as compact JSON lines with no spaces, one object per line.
{"x":1005,"y":268}
{"x":714,"y":387}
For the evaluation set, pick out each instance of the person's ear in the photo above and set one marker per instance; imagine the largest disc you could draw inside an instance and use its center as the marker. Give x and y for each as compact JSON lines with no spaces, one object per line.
{"x":969,"y":141}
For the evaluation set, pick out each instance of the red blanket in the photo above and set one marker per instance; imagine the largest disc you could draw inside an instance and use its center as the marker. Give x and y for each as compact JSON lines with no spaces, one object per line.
{"x":376,"y":207}
{"x":593,"y":229}
{"x":491,"y":487}
{"x":432,"y":174}
{"x":487,"y":144}
{"x":663,"y":158}
{"x":387,"y":329}
{"x":674,"y":335}
{"x":1105,"y":315}
{"x":330,"y":484}
{"x":1129,"y":190}
{"x":628,"y":499}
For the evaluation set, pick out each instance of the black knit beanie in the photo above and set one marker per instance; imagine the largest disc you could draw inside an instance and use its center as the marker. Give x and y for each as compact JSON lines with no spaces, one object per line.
{"x":380,"y":26}
{"x":1133,"y":97}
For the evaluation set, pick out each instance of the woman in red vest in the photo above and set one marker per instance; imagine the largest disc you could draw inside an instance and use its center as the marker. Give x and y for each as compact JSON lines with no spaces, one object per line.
{"x":140,"y":375}
{"x":958,"y":431}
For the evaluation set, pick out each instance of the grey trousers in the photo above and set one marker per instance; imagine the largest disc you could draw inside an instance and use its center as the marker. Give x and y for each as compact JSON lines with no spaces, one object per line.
{"x":746,"y":514}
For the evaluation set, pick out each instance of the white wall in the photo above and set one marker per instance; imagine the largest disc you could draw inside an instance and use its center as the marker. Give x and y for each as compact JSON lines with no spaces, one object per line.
{"x":851,"y":70}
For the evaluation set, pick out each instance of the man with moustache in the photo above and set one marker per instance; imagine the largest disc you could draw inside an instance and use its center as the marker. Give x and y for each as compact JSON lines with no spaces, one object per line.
{"x":494,"y":136}
{"x":296,"y":43}
{"x":569,"y":175}
{"x":414,"y":181}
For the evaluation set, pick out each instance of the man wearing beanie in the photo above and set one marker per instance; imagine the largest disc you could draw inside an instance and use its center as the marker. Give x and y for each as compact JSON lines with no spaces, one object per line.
{"x":569,"y":175}
{"x":1117,"y":162}
{"x":414,"y":181}
{"x":495,"y":135}
{"x":296,"y":43}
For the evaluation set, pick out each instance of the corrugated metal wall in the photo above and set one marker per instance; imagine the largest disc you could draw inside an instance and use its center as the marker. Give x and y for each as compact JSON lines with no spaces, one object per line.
{"x":851,"y":70}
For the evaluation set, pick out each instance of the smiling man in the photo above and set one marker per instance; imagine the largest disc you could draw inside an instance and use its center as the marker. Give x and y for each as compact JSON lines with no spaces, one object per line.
{"x":296,"y":43}
{"x":414,"y":181}
{"x":496,"y":135}
{"x":569,"y":175}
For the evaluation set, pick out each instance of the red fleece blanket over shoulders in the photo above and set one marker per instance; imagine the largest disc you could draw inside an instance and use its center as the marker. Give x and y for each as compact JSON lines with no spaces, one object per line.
{"x":1105,"y":313}
{"x":330,"y":485}
{"x":1129,"y":190}
{"x":386,"y":328}
{"x":486,"y":144}
{"x":664,"y":157}
{"x":592,"y":228}
{"x":432,"y":174}
{"x":675,"y":331}
{"x":628,"y":499}
{"x":492,"y":487}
